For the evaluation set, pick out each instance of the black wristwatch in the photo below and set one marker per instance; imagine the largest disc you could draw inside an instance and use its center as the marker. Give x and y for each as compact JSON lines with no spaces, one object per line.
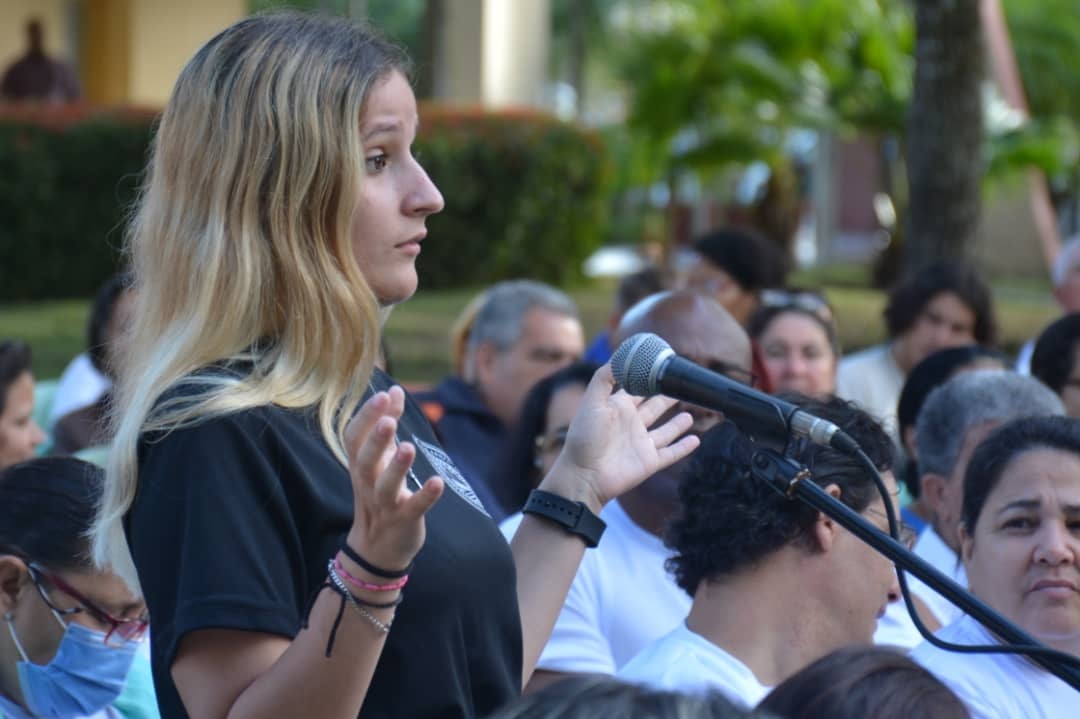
{"x":575,"y":517}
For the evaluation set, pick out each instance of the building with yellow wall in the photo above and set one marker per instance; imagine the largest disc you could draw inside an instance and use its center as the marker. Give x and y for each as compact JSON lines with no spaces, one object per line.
{"x":125,"y":52}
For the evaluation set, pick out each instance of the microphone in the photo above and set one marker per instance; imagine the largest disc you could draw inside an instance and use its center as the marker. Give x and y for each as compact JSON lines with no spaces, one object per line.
{"x":645,"y":365}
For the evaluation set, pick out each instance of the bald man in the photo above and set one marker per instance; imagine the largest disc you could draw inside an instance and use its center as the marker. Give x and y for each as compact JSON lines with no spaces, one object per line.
{"x":622,"y":597}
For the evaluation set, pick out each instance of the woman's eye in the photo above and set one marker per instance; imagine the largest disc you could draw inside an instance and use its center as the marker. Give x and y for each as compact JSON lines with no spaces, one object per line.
{"x":376,"y":162}
{"x":1019,"y":523}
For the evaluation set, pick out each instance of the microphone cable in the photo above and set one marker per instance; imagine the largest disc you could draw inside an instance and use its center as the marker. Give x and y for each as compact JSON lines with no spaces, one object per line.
{"x":1032,"y":650}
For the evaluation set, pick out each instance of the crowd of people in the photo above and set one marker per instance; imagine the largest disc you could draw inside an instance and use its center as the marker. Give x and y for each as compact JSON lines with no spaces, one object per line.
{"x":275,"y":527}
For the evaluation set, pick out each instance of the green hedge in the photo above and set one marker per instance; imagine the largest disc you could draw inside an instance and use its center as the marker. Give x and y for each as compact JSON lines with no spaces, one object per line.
{"x":65,"y":180}
{"x":525,"y":196}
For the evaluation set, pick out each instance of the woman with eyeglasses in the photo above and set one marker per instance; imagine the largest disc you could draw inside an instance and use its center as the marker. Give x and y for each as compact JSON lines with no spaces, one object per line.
{"x":70,"y":645}
{"x":542,"y":426}
{"x":797,"y":342}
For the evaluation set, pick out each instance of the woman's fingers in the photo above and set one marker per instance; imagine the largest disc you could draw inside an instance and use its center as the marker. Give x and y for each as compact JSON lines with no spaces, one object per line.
{"x":381,"y":404}
{"x":654,"y":408}
{"x":670,"y":454}
{"x":671,"y":430}
{"x":361,"y":424}
{"x":370,"y":459}
{"x":390,"y":482}
{"x":421,"y":501}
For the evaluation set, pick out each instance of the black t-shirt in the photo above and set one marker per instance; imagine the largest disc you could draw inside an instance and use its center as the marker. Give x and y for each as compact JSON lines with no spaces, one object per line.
{"x":233,"y":524}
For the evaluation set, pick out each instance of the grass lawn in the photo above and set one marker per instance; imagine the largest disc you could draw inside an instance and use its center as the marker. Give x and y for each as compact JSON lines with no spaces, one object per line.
{"x":417,"y":332}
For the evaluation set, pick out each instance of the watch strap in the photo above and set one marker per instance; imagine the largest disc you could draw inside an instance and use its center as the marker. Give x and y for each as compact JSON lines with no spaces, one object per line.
{"x":575,"y":517}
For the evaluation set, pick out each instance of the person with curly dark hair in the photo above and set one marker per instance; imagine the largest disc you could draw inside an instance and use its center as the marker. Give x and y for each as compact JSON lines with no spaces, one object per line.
{"x":775,"y":583}
{"x":945,"y":304}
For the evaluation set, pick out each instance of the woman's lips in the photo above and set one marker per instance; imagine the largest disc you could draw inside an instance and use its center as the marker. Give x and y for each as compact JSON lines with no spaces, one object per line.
{"x":1057,"y":588}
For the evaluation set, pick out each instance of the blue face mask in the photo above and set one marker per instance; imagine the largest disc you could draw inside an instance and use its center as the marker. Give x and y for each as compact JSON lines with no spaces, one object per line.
{"x":83,"y":678}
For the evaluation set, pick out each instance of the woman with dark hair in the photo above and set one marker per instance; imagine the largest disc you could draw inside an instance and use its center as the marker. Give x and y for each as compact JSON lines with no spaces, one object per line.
{"x":86,"y":430}
{"x":1054,"y":361}
{"x":541,"y":429}
{"x":796,"y":337}
{"x":859,"y":682}
{"x":19,"y":433}
{"x":87,"y":377}
{"x":70,"y":649}
{"x":1020,"y":544}
{"x":945,"y":304}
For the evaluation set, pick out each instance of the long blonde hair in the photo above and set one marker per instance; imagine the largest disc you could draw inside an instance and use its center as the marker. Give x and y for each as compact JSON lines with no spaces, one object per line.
{"x":240,"y":243}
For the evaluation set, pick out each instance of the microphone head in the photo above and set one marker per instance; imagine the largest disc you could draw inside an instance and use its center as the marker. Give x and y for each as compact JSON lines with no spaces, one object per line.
{"x":637,"y":362}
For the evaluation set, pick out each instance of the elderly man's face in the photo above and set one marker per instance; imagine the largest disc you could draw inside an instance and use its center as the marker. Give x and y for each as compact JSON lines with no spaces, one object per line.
{"x":549,"y":342}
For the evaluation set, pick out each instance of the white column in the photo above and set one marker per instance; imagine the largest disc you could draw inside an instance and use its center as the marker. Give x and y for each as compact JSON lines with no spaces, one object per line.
{"x":493,"y":52}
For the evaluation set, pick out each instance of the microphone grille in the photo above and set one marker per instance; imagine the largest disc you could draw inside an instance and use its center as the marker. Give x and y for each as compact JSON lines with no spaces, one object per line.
{"x":636,"y":362}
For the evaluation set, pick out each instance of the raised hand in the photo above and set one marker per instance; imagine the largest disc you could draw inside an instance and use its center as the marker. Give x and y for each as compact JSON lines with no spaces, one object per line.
{"x":388,"y":519}
{"x":610,"y":447}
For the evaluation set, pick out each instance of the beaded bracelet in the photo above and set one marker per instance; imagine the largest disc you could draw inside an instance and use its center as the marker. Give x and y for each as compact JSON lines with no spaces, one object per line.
{"x":368,"y":566}
{"x":361,"y":584}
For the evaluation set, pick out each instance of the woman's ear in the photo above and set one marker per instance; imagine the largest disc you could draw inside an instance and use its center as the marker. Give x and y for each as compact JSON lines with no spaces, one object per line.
{"x":13,"y":579}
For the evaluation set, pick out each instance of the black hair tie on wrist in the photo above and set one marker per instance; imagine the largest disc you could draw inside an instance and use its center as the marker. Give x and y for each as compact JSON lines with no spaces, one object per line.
{"x":368,"y":566}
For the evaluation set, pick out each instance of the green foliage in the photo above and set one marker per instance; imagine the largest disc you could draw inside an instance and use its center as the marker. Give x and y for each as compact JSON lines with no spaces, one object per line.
{"x":525,"y":195}
{"x":1045,"y":36}
{"x":400,"y":20}
{"x":730,"y":78}
{"x":63,"y":193}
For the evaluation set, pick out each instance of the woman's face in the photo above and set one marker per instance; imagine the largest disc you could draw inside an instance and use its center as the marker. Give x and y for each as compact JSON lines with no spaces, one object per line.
{"x":395,"y":196}
{"x":561,"y":410}
{"x":19,"y":433}
{"x":798,"y":356}
{"x":1023,"y":558}
{"x":37,"y":605}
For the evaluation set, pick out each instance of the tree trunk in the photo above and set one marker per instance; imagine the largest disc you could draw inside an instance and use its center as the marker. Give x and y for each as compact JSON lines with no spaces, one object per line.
{"x":579,"y":21}
{"x":945,"y":131}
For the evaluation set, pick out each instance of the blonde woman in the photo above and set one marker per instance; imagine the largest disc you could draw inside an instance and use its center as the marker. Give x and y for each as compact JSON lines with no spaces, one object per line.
{"x":300,"y":556}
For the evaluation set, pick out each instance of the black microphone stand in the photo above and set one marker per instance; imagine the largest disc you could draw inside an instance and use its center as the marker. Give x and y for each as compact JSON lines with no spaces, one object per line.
{"x":790,"y":480}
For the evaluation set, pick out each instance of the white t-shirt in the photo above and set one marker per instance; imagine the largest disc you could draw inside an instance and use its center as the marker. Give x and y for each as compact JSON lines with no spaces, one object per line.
{"x":932,"y":548}
{"x":872,"y":380}
{"x":621,"y":599}
{"x":684,"y":661}
{"x":895,"y":628}
{"x":79,"y":386}
{"x":997,"y":686}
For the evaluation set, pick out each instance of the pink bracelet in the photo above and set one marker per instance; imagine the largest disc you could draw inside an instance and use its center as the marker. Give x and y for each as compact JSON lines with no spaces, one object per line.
{"x":360,"y":583}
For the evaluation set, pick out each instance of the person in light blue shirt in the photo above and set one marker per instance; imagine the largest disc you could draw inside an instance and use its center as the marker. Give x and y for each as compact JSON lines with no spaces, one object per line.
{"x":70,"y":644}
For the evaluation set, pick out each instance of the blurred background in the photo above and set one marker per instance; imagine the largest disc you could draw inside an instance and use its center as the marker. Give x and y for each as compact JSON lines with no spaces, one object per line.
{"x":575,"y":140}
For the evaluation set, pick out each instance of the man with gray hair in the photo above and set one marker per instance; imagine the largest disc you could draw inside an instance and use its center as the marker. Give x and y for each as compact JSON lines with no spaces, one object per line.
{"x":1066,"y":278}
{"x":957,"y":416}
{"x":523,"y":331}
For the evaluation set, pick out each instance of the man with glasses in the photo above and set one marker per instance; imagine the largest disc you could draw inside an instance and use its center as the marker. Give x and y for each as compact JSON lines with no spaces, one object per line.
{"x":523,"y":332}
{"x":622,"y":597}
{"x":775,"y":583}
